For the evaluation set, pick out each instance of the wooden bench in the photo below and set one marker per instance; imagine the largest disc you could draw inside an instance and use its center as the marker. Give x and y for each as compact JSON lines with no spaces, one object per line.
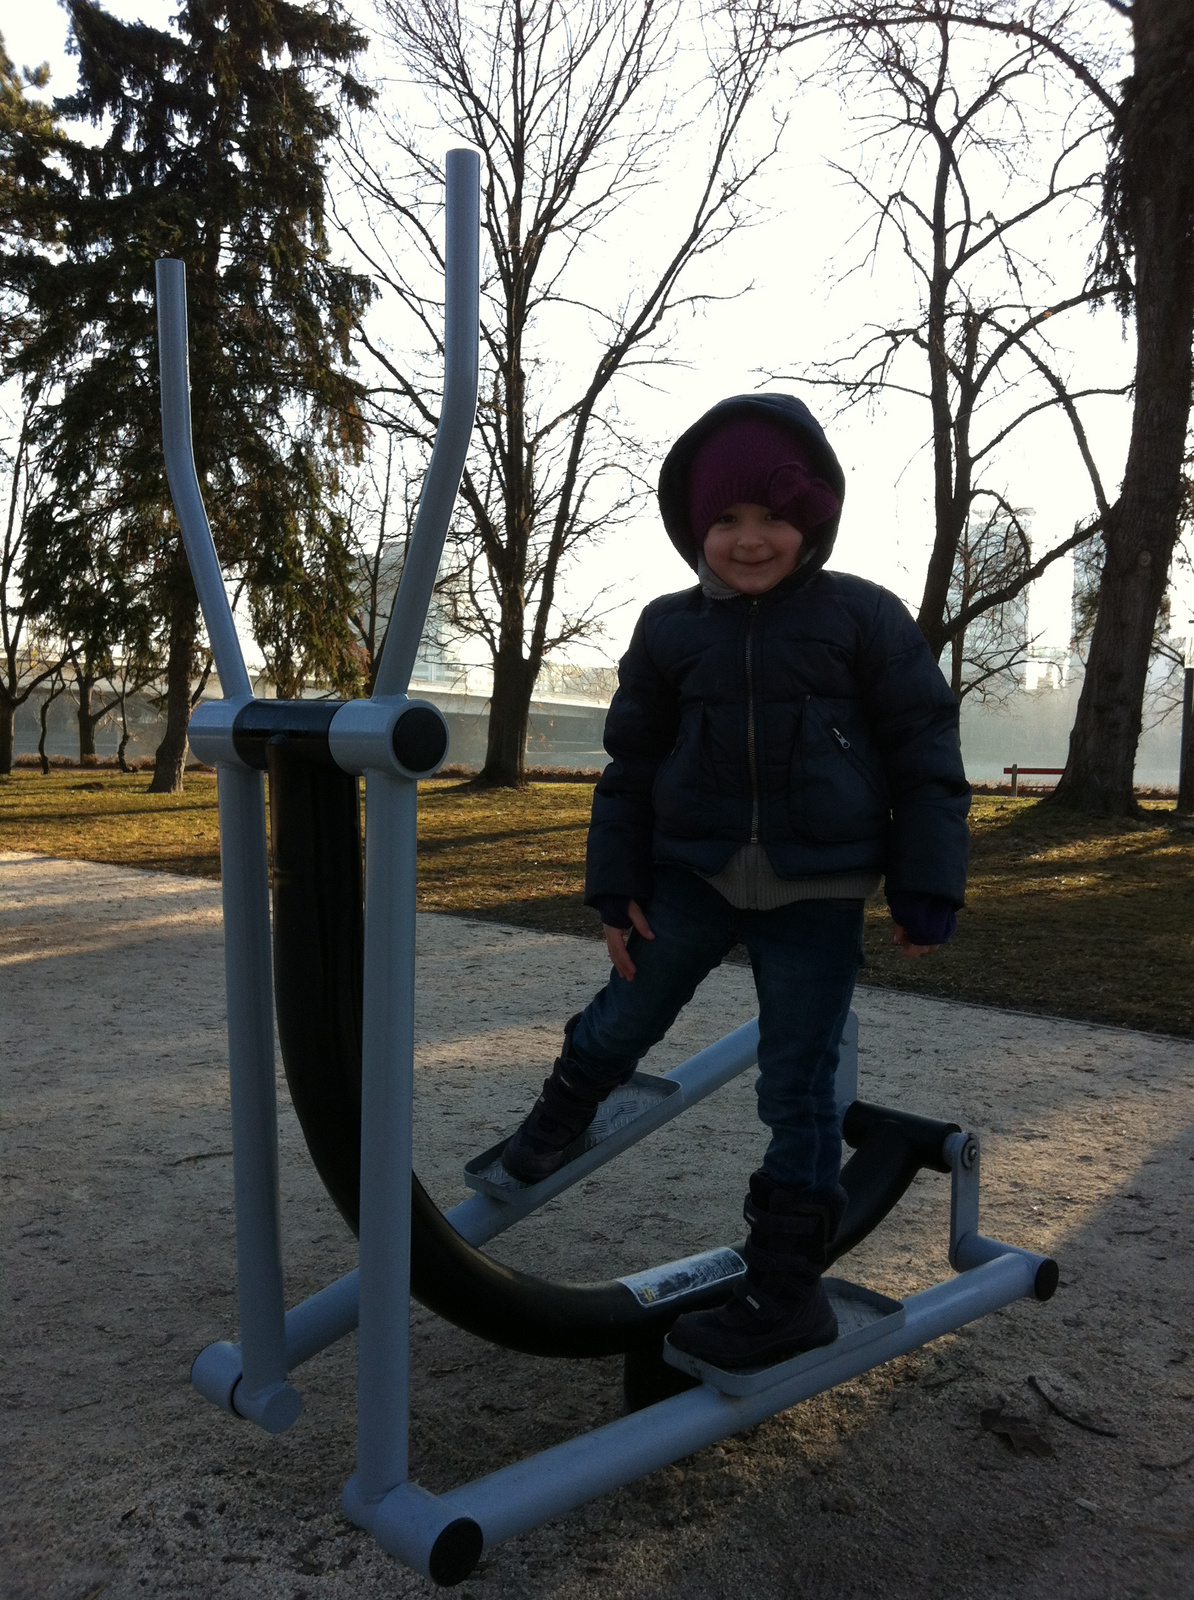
{"x":1017,"y":772}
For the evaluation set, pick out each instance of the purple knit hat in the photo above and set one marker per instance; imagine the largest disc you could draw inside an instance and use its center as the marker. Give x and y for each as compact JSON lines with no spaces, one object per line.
{"x":758,"y":463}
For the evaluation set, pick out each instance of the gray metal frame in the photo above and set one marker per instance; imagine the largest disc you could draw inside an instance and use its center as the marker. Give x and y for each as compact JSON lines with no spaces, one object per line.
{"x":251,"y":1378}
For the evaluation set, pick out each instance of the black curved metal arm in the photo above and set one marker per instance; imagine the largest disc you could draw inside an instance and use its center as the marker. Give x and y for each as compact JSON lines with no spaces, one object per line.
{"x":318,"y":987}
{"x":318,"y":973}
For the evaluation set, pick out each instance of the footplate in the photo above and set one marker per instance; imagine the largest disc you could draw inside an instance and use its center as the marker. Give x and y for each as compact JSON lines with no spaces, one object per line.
{"x":630,"y":1111}
{"x":862,"y":1315}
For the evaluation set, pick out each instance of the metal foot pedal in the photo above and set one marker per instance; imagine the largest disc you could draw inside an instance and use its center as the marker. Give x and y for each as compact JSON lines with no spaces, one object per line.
{"x":630,"y":1111}
{"x":862,"y":1315}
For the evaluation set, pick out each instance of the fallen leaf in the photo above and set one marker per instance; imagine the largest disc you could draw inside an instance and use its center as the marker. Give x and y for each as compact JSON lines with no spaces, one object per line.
{"x":1168,"y":1466}
{"x":1020,"y":1434}
{"x":1178,"y":1535}
{"x":1091,"y":1421}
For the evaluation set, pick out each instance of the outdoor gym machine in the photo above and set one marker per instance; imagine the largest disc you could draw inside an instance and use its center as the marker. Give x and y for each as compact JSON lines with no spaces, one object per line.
{"x":342,"y":984}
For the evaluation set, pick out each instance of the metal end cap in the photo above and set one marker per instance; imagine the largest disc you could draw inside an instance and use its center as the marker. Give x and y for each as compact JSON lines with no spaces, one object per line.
{"x":216,"y":1372}
{"x":275,"y":1409}
{"x":455,"y":1552}
{"x":420,"y":739}
{"x":1044,"y":1284}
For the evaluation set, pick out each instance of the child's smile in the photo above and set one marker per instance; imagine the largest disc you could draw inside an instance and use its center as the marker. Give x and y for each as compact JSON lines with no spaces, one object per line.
{"x":752,"y":549}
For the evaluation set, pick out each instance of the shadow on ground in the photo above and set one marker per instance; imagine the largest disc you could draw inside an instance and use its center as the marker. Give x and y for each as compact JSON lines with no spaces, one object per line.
{"x":121,"y":1482}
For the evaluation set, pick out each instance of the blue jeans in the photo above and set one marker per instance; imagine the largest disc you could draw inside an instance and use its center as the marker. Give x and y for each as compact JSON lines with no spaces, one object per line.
{"x":805,"y":958}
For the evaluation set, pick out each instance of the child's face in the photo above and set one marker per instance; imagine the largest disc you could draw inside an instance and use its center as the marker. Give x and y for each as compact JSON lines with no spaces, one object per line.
{"x":749,"y":548}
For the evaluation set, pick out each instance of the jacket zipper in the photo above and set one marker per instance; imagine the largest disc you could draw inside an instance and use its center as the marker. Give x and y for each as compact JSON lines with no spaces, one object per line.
{"x":750,"y":725}
{"x":858,"y":765}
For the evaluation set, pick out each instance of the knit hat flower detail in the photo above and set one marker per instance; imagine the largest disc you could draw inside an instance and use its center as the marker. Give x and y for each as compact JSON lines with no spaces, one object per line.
{"x":755,"y":462}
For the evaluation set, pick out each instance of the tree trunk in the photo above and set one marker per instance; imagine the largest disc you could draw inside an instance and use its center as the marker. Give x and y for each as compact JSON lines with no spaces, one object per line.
{"x":1157,"y":136}
{"x":43,"y":717}
{"x":957,"y":663}
{"x":951,"y":506}
{"x":509,"y":717}
{"x":84,"y":686}
{"x":169,"y":762}
{"x":8,"y":719}
{"x":124,"y":735}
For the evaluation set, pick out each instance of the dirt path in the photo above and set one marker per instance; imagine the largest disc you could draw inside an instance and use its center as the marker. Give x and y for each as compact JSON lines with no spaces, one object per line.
{"x":118,"y":1481}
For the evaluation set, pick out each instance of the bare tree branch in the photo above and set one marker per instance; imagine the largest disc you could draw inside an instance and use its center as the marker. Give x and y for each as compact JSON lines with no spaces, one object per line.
{"x":956,"y":185}
{"x":577,"y":110}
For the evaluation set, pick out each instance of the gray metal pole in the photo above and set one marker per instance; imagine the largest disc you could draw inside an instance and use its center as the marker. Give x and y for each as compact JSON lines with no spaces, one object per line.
{"x":457,"y":410}
{"x":387,"y":1093}
{"x":387,"y":1056}
{"x":410,"y":1523}
{"x":184,"y":482}
{"x":262,"y":1393}
{"x":530,"y":1491}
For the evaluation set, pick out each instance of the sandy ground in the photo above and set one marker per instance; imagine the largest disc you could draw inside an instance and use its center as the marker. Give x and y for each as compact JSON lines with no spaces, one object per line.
{"x":119,"y":1481}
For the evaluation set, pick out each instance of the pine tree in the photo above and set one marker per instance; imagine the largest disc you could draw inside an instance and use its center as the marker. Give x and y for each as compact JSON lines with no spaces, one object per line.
{"x":28,"y":135}
{"x":212,"y":151}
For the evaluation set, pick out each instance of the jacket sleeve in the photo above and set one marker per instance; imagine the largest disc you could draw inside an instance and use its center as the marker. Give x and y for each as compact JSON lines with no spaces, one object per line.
{"x":913,"y":718}
{"x":640,"y":730}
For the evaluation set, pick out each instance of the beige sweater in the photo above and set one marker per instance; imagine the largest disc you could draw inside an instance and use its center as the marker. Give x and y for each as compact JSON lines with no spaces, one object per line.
{"x":750,"y":883}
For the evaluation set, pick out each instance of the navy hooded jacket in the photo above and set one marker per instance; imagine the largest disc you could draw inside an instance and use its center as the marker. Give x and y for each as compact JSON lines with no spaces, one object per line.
{"x":812,"y":718}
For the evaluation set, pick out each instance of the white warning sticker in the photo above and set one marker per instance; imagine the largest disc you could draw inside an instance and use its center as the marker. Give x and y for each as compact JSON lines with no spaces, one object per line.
{"x":678,"y":1278}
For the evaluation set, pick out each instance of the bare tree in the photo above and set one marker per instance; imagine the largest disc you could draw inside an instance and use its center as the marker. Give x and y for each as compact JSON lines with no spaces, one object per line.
{"x":1149,"y":206}
{"x":1165,"y":680}
{"x":91,"y":668}
{"x":30,"y":659}
{"x":964,"y":183}
{"x":379,"y":509}
{"x":130,"y":674}
{"x":986,"y":657}
{"x":1148,"y":258}
{"x":577,"y":113}
{"x":55,"y":685}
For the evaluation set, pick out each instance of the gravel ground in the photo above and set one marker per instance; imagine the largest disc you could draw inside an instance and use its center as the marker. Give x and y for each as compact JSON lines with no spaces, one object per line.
{"x":119,"y":1481}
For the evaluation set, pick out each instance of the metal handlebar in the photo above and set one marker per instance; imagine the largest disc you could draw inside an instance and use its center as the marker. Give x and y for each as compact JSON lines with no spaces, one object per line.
{"x":457,"y":410}
{"x":184,"y":481}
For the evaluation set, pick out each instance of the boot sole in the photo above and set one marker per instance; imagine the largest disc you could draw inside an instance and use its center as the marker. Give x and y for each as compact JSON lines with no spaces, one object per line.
{"x":529,"y":1177}
{"x":750,"y":1362}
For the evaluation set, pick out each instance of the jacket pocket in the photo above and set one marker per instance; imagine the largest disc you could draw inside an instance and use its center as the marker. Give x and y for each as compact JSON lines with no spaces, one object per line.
{"x":839,"y":793}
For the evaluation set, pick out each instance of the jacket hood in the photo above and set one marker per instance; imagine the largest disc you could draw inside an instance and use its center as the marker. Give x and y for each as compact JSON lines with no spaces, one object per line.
{"x":784,"y":409}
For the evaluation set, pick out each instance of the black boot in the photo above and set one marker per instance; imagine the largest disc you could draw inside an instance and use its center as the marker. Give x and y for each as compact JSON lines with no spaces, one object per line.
{"x":561,"y":1114}
{"x":781,"y":1307}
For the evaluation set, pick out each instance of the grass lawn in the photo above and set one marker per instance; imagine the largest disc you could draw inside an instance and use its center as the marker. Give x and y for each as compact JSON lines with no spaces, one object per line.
{"x":1077,"y":918}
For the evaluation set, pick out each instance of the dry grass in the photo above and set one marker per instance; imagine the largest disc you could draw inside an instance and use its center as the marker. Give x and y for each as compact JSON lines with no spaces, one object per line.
{"x":99,"y":814}
{"x":1066,"y":916}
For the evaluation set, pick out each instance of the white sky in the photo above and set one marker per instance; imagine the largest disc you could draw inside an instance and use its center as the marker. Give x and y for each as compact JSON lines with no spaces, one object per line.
{"x":795,"y":313}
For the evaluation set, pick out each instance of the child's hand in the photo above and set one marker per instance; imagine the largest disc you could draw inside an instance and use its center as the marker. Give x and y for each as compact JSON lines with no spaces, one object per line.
{"x":615,"y":941}
{"x":907,"y":948}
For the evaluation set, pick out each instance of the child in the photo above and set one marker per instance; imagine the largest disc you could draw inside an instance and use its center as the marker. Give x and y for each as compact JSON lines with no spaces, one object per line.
{"x":781,"y":737}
